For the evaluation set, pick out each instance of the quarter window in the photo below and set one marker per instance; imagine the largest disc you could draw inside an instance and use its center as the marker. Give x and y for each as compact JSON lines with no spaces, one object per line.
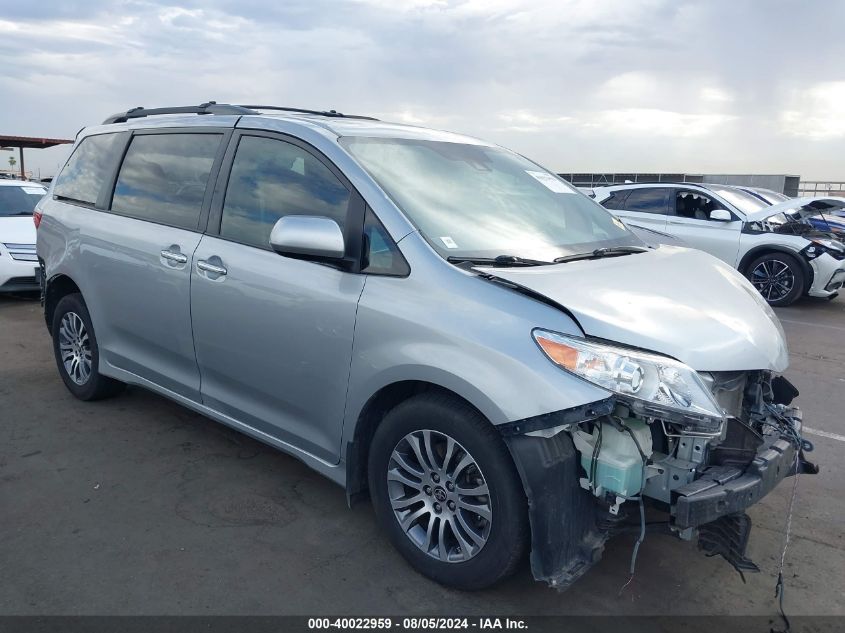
{"x":648,"y":200}
{"x":164,"y":176}
{"x":616,"y":200}
{"x":88,"y":168}
{"x":271,"y":179}
{"x":381,"y":256}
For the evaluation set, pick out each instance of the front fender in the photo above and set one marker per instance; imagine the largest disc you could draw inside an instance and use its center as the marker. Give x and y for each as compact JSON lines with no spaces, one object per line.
{"x":474,"y":340}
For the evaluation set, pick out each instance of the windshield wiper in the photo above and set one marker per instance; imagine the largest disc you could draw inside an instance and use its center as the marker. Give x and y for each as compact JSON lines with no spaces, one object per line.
{"x":500,"y":260}
{"x":608,"y":251}
{"x":15,"y":214}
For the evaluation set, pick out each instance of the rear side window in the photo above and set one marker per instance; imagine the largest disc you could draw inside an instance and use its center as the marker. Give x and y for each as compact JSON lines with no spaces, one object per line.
{"x":88,"y":168}
{"x":616,"y":199}
{"x":649,"y":200}
{"x":164,"y":176}
{"x":271,"y":179}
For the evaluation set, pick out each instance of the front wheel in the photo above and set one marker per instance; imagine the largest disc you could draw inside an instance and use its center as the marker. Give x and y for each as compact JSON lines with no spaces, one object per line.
{"x":778,"y":277}
{"x":446,"y":491}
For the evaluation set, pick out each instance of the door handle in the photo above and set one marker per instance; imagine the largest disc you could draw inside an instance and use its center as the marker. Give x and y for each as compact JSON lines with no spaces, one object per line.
{"x":211,"y":268}
{"x":177,"y":258}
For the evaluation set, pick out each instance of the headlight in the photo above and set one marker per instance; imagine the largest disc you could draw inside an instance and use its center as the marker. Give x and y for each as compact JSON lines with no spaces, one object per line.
{"x":819,"y":246}
{"x":652,"y":385}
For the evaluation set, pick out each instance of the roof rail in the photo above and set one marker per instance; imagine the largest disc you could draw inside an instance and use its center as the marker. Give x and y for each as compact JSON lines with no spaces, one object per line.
{"x":212,"y":107}
{"x":328,"y":113}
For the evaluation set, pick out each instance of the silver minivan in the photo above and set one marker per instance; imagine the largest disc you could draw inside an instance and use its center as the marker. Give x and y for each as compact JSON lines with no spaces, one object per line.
{"x":427,"y":319}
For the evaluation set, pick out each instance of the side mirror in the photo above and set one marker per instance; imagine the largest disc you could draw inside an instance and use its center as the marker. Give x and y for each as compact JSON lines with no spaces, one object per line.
{"x":721,"y":215}
{"x":312,"y":236}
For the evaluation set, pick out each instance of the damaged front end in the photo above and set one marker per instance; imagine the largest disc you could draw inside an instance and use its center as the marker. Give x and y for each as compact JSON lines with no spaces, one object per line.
{"x":580,"y":467}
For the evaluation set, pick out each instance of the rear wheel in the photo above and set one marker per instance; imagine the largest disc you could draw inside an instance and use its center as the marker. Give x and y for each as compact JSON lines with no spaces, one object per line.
{"x":778,"y":277}
{"x":446,"y":491}
{"x":76,"y":351}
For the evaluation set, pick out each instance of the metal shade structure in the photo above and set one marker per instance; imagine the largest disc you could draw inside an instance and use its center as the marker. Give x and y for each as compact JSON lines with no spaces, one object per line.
{"x":30,"y":142}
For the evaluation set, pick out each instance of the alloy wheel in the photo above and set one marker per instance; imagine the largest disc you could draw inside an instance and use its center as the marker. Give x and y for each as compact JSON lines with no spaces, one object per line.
{"x":439,"y":496}
{"x":75,"y":348}
{"x":773,"y":278}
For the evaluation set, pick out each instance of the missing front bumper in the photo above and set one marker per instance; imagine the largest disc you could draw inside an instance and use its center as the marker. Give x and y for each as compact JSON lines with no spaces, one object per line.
{"x":569,"y":525}
{"x":725,"y":490}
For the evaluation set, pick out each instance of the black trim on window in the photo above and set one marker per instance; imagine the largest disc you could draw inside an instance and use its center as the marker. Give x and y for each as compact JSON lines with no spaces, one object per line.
{"x":107,"y":192}
{"x":75,"y":202}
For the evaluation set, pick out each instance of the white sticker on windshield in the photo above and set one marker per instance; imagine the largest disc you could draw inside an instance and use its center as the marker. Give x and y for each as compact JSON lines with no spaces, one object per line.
{"x":34,"y":191}
{"x":550,"y":182}
{"x":448,"y":242}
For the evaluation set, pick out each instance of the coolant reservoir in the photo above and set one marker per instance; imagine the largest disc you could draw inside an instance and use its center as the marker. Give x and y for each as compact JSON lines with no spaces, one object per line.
{"x":619,"y":467}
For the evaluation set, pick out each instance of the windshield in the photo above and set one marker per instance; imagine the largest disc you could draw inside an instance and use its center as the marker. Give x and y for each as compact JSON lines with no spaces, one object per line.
{"x":742,"y":200}
{"x":19,"y":200}
{"x":479,"y":201}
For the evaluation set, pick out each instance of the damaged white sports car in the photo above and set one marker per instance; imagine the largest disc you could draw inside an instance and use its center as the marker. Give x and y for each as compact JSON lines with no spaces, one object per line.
{"x":786,"y":250}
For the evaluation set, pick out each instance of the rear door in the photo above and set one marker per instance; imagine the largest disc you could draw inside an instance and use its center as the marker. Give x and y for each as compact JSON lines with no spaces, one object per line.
{"x":139,"y":255}
{"x":690,"y":221}
{"x":273,"y":334}
{"x":644,"y":206}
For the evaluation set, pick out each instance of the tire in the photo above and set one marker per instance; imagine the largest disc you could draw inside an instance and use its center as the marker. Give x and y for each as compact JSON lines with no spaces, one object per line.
{"x":778,"y":277}
{"x":75,"y":343}
{"x":500,"y":543}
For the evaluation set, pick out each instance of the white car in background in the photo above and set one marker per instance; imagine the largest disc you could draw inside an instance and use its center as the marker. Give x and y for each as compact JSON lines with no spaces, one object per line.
{"x":779,"y":248}
{"x":18,"y":262}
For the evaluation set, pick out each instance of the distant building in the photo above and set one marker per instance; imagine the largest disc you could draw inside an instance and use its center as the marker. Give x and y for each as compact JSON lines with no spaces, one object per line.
{"x":782,"y":183}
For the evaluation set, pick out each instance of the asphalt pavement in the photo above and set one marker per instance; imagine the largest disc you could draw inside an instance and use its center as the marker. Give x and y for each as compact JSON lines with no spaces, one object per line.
{"x":136,"y":505}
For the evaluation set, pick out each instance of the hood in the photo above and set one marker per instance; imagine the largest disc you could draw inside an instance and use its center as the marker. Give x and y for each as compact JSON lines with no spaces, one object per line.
{"x":17,"y":229}
{"x":824,"y":204}
{"x":679,"y":302}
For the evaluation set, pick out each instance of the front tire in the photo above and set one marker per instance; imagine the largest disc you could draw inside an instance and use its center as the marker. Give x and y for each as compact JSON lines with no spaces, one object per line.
{"x":76,"y":351}
{"x":446,"y":491}
{"x":778,"y":277}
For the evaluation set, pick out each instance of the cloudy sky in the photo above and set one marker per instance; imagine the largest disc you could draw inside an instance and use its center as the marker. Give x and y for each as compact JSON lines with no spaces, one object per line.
{"x":712,"y":86}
